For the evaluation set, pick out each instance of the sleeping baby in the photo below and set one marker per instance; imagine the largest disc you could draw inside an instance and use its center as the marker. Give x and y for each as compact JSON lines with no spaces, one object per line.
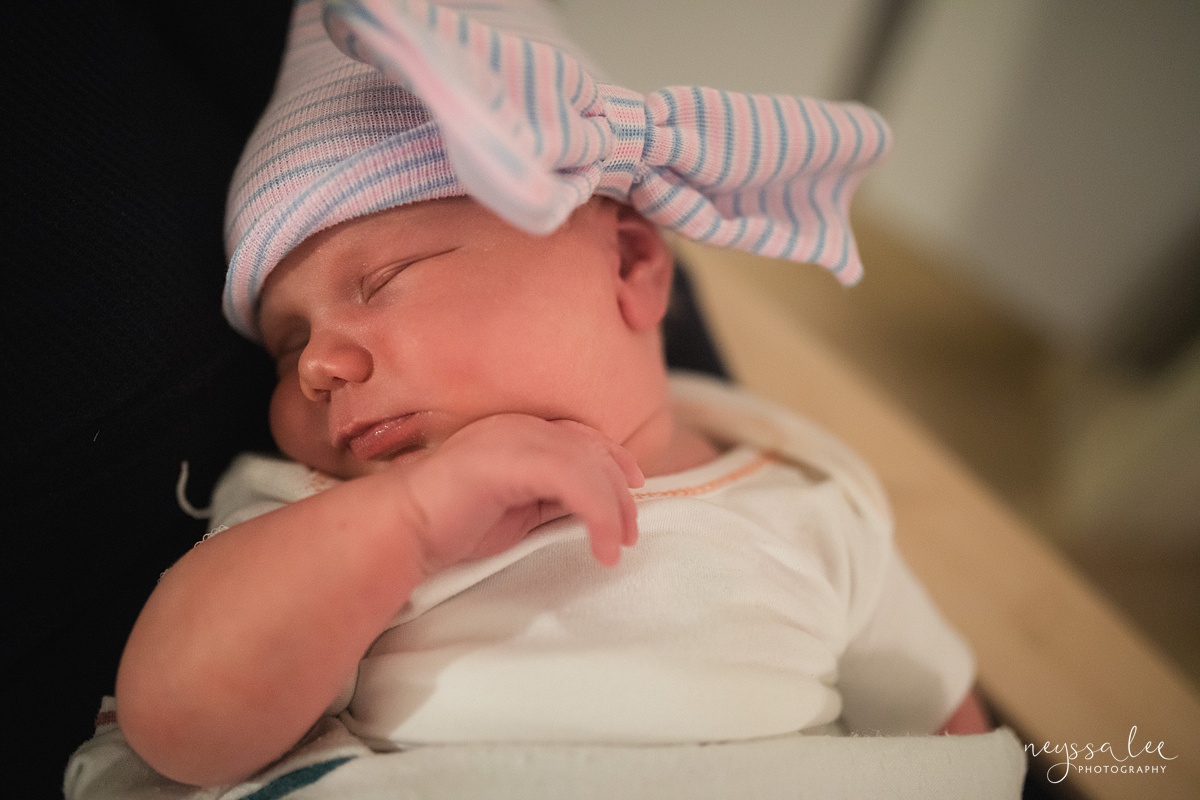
{"x":498,"y":518}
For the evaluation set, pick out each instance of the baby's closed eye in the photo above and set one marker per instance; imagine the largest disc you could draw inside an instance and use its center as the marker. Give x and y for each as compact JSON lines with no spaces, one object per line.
{"x":374,"y":281}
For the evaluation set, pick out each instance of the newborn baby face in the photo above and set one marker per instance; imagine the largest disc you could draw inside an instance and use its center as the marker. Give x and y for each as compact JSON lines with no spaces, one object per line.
{"x":393,"y":331}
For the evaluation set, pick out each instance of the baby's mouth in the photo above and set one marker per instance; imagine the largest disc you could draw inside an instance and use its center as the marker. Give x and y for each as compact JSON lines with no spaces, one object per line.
{"x":386,"y":439}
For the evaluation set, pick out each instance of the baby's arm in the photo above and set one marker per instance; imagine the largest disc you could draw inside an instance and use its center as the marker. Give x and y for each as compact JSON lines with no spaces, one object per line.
{"x":247,"y":639}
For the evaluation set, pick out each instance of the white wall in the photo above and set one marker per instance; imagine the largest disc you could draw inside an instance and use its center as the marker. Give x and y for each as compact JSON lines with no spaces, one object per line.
{"x":783,"y":46}
{"x":1053,"y":148}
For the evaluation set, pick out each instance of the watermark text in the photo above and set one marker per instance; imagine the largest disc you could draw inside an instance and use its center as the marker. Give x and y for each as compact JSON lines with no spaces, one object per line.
{"x":1133,"y":757}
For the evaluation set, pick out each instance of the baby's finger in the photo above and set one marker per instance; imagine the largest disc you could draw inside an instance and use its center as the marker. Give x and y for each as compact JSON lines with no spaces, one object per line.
{"x":634,"y":477}
{"x":621,"y":476}
{"x":630,"y":468}
{"x":606,"y":508}
{"x":629,"y":526}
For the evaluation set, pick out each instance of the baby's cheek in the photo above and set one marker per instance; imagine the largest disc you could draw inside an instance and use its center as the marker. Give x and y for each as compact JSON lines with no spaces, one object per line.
{"x":293,"y":421}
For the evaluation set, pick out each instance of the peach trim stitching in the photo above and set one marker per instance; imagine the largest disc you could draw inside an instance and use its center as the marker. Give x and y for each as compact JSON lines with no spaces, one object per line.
{"x":757,"y":463}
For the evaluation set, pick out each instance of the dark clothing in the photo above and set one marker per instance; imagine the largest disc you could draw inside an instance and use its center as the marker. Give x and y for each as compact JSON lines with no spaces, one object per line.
{"x":123,"y":122}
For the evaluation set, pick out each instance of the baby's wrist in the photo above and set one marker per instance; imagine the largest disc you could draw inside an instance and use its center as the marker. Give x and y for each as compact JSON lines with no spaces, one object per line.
{"x":414,"y":521}
{"x":395,"y":526}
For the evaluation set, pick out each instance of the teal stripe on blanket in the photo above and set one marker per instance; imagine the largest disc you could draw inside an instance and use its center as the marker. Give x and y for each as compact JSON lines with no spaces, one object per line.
{"x":297,"y":779}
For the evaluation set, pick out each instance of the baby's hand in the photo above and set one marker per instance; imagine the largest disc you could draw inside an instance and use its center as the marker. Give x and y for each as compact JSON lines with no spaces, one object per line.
{"x":497,"y":479}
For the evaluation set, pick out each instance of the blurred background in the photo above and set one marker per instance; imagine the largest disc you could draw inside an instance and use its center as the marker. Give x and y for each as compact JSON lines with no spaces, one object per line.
{"x":1032,"y":246}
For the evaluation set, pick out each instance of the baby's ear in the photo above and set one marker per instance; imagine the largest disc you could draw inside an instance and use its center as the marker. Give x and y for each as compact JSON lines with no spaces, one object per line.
{"x":646,"y":267}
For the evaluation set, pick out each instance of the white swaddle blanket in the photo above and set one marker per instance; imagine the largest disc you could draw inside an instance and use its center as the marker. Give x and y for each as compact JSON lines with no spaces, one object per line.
{"x":332,"y":763}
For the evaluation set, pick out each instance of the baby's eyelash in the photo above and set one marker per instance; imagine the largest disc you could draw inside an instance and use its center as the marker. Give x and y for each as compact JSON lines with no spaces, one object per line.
{"x":370,"y":284}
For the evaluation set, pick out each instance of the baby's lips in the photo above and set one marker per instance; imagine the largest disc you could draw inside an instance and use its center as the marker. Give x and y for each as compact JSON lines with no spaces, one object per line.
{"x":385,"y":437}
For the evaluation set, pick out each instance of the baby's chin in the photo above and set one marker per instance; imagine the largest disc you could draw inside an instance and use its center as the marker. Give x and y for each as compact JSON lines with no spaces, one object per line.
{"x":347,"y":467}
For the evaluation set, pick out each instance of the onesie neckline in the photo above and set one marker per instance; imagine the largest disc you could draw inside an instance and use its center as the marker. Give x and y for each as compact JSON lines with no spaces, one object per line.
{"x":728,"y":467}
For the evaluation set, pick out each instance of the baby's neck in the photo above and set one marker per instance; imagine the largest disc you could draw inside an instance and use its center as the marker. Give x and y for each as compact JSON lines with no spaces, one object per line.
{"x":664,"y":445}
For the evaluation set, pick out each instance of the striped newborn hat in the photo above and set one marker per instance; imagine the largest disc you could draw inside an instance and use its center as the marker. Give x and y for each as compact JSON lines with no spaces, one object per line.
{"x":380,"y":103}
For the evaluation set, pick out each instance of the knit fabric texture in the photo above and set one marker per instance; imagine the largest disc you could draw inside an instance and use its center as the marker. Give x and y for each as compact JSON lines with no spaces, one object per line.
{"x":381,"y":103}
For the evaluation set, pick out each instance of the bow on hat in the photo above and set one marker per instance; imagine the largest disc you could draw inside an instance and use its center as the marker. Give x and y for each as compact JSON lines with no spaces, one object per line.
{"x":523,"y":127}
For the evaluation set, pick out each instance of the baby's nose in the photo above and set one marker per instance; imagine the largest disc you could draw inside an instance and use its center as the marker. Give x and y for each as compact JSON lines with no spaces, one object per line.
{"x":331,"y":362}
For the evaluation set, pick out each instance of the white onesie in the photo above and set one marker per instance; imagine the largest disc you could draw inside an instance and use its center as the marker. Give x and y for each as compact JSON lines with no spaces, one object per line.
{"x":764,"y":596}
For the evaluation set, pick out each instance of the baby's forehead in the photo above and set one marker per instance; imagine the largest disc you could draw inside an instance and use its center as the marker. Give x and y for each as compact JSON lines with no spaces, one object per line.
{"x":416,"y":230}
{"x":422,"y":224}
